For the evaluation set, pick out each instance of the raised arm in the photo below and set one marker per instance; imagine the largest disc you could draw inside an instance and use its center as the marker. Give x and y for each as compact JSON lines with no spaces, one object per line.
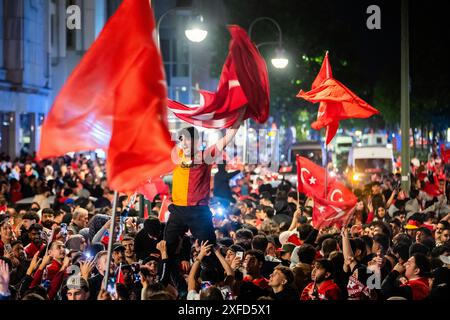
{"x":230,"y":133}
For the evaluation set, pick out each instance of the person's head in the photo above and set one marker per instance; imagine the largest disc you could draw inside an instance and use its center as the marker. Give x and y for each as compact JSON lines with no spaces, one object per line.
{"x":6,"y":230}
{"x":322,"y":270}
{"x":445,"y":236}
{"x":306,"y":254}
{"x":286,"y":251}
{"x":18,"y":251}
{"x":47,"y":215}
{"x":80,"y":217}
{"x":380,"y":244}
{"x":329,"y":245}
{"x":440,"y":228}
{"x":396,"y":226}
{"x":128,"y":243}
{"x":260,"y":242}
{"x":280,"y":278}
{"x":422,"y":233}
{"x":57,"y":250}
{"x":231,"y":252}
{"x":359,"y":247}
{"x":188,"y":140}
{"x":417,"y":266}
{"x":152,"y":226}
{"x":211,"y":293}
{"x":401,"y":251}
{"x":381,"y":212}
{"x":253,"y":262}
{"x":118,"y":254}
{"x":376,"y":188}
{"x":100,"y":261}
{"x":29,"y":218}
{"x":35,"y":234}
{"x":77,"y":288}
{"x":76,"y":242}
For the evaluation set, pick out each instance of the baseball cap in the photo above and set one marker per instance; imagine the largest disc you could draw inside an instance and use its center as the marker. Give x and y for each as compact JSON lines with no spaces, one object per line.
{"x":445,"y":259}
{"x":118,"y":247}
{"x":288,"y":247}
{"x":77,"y":282}
{"x":412,"y":225}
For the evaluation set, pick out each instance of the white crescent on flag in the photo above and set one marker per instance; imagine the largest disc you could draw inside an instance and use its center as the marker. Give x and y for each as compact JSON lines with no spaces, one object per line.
{"x":301,"y":174}
{"x":337,"y":191}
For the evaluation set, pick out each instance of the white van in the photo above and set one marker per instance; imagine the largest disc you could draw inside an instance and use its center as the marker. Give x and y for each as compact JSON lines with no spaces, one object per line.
{"x":365,"y":161}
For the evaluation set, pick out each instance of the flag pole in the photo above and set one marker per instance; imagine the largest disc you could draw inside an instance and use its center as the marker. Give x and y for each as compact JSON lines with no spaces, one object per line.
{"x":110,"y":242}
{"x":326,"y":164}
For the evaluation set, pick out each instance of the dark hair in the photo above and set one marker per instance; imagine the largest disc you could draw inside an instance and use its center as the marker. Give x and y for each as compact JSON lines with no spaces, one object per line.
{"x":402,"y":249}
{"x":31,"y":215}
{"x":306,"y":253}
{"x":445,"y":223}
{"x":35,"y":226}
{"x":423,"y":263}
{"x":287,"y":272}
{"x":260,"y":242}
{"x":358,"y":243}
{"x":367,"y":240}
{"x":418,"y":248}
{"x":269,"y":211}
{"x":15,"y":242}
{"x":236,"y":248}
{"x":258,"y":254}
{"x":244,"y":234}
{"x":327,"y":265}
{"x":329,"y":245}
{"x":383,"y":241}
{"x":211,"y":294}
{"x":48,"y":211}
{"x":304,"y":231}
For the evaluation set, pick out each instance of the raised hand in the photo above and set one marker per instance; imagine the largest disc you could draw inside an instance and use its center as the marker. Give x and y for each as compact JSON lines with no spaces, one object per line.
{"x":4,"y":276}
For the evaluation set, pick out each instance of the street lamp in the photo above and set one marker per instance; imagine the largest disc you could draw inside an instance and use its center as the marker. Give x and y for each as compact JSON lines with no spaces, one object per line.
{"x":280,"y":61}
{"x":196,"y":32}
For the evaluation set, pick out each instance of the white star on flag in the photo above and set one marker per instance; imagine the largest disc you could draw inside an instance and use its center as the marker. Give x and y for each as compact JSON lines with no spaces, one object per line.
{"x":312,"y":180}
{"x":321,"y":209}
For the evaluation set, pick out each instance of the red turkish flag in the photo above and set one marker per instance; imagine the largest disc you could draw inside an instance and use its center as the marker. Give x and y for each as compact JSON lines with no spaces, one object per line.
{"x":328,"y":210}
{"x":337,"y":102}
{"x":115,"y":100}
{"x":243,"y":83}
{"x":119,"y":277}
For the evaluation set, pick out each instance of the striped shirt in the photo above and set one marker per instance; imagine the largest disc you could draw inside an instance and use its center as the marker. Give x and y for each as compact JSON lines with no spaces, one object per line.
{"x":192,"y":182}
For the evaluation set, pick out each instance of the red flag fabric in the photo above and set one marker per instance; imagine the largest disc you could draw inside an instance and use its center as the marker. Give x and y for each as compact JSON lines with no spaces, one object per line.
{"x":113,"y":99}
{"x":445,"y":154}
{"x":328,"y":210}
{"x":243,"y":83}
{"x":153,"y":187}
{"x":119,"y":278}
{"x":325,"y":73}
{"x":337,"y":102}
{"x":164,"y":211}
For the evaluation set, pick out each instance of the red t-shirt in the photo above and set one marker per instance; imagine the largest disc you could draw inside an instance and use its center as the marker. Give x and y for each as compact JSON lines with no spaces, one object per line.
{"x":327,"y":290}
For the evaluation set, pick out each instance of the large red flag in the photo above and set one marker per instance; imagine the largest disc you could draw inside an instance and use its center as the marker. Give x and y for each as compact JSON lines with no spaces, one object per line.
{"x":243,"y":83}
{"x":328,"y":210}
{"x":445,"y":154}
{"x":115,"y":100}
{"x":337,"y":102}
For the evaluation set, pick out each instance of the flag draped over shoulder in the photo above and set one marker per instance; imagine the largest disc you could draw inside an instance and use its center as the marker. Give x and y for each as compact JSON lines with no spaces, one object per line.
{"x":243,"y":87}
{"x":330,"y":208}
{"x":115,"y":99}
{"x":337,"y":102}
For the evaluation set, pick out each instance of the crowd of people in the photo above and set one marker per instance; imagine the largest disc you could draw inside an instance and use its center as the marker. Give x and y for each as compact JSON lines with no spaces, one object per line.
{"x":396,"y":244}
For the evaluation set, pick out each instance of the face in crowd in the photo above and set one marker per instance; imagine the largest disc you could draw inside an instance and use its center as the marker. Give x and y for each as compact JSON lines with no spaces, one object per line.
{"x":251,"y":265}
{"x":319,"y":273}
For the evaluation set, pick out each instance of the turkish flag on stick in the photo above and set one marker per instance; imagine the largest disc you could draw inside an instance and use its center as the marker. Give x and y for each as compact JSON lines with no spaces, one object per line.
{"x":328,"y":210}
{"x":337,"y":102}
{"x":113,"y":99}
{"x":243,"y":83}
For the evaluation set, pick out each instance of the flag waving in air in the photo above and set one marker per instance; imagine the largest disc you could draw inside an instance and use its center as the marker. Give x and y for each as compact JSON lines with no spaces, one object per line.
{"x":243,"y":84}
{"x":115,"y":99}
{"x":332,"y":209}
{"x":337,"y":102}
